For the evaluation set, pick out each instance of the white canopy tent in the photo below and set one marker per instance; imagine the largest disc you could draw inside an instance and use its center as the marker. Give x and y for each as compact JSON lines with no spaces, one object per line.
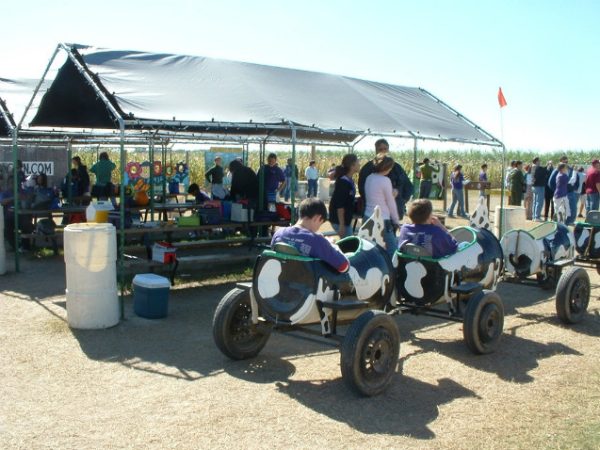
{"x":179,"y":97}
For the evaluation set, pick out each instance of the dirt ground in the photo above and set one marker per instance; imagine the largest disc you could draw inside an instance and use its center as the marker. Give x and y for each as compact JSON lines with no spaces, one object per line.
{"x":163,"y":384}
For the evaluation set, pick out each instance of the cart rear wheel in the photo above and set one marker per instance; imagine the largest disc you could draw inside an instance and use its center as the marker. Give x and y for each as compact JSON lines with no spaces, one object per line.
{"x":369,"y":353}
{"x":573,"y":295}
{"x":483,"y":322}
{"x":233,"y":331}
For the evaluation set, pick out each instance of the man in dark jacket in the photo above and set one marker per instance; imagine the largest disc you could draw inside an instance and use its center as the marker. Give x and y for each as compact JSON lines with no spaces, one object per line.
{"x":244,"y":182}
{"x":540,"y":179}
{"x":401,"y":184}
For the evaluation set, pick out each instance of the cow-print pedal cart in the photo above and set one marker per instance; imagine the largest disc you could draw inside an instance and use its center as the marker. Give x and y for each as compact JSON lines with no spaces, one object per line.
{"x":294,"y":292}
{"x":548,"y":252}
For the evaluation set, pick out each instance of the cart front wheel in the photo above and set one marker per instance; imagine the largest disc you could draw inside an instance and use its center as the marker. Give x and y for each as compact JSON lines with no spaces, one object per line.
{"x":233,"y":331}
{"x":483,"y":322}
{"x":573,"y":295}
{"x":369,"y":353}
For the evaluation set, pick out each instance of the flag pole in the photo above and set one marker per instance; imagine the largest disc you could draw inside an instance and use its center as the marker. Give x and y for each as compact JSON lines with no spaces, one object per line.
{"x":502,"y":103}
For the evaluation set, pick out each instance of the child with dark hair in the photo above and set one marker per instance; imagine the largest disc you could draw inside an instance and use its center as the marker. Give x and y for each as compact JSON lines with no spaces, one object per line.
{"x":426,"y":231}
{"x":304,"y":236}
{"x":200,"y":197}
{"x":103,"y":170}
{"x":82,"y":174}
{"x":341,"y":206}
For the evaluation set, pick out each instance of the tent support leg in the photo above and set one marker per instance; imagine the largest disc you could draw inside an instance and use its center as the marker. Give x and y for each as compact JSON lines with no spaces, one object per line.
{"x":414,"y":177}
{"x":16,"y":198}
{"x":293,"y":178}
{"x":121,"y":256}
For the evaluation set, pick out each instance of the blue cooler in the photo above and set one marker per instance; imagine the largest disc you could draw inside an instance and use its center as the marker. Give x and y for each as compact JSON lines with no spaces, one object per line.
{"x":151,"y":295}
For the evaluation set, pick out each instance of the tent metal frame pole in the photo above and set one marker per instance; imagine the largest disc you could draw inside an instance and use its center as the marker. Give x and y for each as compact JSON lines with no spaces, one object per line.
{"x":293,"y":177}
{"x":461,"y":116}
{"x":16,"y":199}
{"x":37,"y":88}
{"x":163,"y":159}
{"x":502,"y":190}
{"x":356,"y":141}
{"x":121,"y":255}
{"x":8,"y":117}
{"x":69,"y":177}
{"x":414,"y":177}
{"x":151,"y":158}
{"x":262,"y":176}
{"x":83,"y":70}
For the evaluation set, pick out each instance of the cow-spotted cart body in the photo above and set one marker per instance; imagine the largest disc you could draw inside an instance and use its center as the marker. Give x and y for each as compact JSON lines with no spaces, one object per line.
{"x":545,"y":251}
{"x":459,"y":287}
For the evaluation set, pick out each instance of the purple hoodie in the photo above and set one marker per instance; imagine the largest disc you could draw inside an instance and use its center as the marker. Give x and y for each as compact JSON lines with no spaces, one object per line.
{"x":562,"y":180}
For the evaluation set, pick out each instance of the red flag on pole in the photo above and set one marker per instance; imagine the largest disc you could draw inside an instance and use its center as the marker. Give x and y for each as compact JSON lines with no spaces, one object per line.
{"x":501,"y":99}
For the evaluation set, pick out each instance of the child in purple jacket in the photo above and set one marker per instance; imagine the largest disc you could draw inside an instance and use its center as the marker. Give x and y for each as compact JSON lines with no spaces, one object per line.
{"x":427,"y":231}
{"x":304,"y":235}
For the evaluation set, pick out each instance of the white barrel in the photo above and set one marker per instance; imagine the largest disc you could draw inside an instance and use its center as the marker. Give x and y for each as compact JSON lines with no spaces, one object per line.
{"x":512,"y":217}
{"x":2,"y":246}
{"x":90,"y":259}
{"x":302,"y":189}
{"x":323,"y":191}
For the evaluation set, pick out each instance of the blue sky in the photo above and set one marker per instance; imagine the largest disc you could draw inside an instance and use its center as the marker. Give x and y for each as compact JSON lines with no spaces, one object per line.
{"x":544,"y":54}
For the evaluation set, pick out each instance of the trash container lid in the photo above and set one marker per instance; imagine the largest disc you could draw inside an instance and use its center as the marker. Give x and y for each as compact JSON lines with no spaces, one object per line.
{"x":151,"y":281}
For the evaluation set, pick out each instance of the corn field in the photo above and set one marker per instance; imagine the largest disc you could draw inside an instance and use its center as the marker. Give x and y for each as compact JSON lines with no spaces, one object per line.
{"x":471,"y":160}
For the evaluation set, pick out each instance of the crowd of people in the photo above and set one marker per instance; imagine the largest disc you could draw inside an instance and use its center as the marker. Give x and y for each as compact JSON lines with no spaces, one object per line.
{"x":563,"y":192}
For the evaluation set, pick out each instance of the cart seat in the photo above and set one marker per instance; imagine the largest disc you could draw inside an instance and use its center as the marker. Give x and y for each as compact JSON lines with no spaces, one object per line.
{"x":593,"y":218}
{"x":287,"y":249}
{"x":414,"y":250}
{"x":463,"y":234}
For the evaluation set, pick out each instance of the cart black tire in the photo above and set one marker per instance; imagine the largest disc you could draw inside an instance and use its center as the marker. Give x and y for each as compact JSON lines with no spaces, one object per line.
{"x":233,"y":331}
{"x":369,"y":353}
{"x":483,"y":322}
{"x":573,"y":295}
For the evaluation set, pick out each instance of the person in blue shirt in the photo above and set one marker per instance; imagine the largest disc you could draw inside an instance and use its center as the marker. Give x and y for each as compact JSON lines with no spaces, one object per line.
{"x":273,"y":178}
{"x":427,"y":231}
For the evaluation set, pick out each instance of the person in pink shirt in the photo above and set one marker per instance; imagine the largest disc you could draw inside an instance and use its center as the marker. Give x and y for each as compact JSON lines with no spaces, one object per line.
{"x":379,"y":192}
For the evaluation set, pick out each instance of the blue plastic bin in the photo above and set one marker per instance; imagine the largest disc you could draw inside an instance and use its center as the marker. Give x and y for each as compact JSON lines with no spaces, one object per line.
{"x":151,"y":296}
